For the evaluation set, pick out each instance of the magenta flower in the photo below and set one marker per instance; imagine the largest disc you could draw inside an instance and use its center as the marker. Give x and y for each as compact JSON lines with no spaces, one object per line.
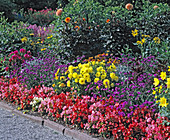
{"x":7,"y":68}
{"x":16,"y":52}
{"x":22,"y":50}
{"x":28,"y":52}
{"x":14,"y":57}
{"x":27,"y":56}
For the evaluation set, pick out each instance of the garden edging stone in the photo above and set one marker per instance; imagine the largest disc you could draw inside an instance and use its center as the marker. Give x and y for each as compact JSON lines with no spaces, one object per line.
{"x":57,"y":127}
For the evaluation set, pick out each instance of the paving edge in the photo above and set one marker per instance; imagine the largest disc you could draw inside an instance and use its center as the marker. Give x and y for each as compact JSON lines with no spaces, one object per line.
{"x":53,"y":125}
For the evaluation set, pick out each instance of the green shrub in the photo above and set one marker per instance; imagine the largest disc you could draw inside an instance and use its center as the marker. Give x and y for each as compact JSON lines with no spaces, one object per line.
{"x":62,"y":3}
{"x":117,"y":36}
{"x":78,"y":38}
{"x":11,"y":35}
{"x":152,"y":45}
{"x":35,"y":4}
{"x":15,"y":36}
{"x":160,"y":1}
{"x":94,"y":35}
{"x":93,"y":11}
{"x":7,"y":7}
{"x":112,"y":3}
{"x":151,"y":21}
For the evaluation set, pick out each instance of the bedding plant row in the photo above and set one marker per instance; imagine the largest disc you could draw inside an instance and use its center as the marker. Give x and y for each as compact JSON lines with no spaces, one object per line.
{"x":126,"y":109}
{"x":104,"y":116}
{"x":108,"y":75}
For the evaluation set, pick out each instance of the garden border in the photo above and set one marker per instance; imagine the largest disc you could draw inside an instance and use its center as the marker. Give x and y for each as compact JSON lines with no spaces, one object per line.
{"x":50,"y":124}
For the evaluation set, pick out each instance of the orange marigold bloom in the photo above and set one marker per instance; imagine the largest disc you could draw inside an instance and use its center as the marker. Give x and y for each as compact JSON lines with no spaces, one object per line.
{"x":84,"y":19}
{"x":67,"y":20}
{"x":114,"y":61}
{"x":77,"y":27}
{"x":109,"y":61}
{"x":90,"y":58}
{"x":59,"y":12}
{"x":129,"y":6}
{"x":107,"y":21}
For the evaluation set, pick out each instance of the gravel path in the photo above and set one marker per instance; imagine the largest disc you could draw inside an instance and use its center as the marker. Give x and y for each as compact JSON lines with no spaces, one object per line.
{"x":13,"y":127}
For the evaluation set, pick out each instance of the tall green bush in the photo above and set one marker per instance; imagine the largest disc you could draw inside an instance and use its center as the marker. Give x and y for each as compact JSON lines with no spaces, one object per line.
{"x":35,"y":4}
{"x":7,"y":7}
{"x":91,"y":10}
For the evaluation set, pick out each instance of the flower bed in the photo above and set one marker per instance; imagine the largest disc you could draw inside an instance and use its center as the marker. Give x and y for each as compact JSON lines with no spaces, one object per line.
{"x":122,"y":93}
{"x":123,"y":98}
{"x":98,"y":115}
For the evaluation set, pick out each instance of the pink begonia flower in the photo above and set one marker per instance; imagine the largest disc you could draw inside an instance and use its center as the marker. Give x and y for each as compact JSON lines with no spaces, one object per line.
{"x":96,"y":118}
{"x":28,"y":52}
{"x":149,"y":119}
{"x":65,"y":107}
{"x":87,"y":126}
{"x":93,"y":126}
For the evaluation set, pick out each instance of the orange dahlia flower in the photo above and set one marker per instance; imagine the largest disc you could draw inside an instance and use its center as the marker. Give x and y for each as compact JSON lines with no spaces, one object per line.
{"x":59,"y":12}
{"x":129,"y":6}
{"x":77,"y":27}
{"x":67,"y":20}
{"x":107,"y":21}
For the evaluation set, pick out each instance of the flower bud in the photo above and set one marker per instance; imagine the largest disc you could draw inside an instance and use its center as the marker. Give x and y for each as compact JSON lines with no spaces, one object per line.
{"x":155,"y":7}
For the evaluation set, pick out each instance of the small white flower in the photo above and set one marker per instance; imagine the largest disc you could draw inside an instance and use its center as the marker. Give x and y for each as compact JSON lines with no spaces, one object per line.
{"x":34,"y":102}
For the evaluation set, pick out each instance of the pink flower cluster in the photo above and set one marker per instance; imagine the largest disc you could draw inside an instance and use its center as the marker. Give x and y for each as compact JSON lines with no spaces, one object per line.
{"x":102,"y":116}
{"x":16,"y":93}
{"x":155,"y":130}
{"x":39,"y":31}
{"x":99,"y":116}
{"x":23,"y":55}
{"x":44,"y":11}
{"x":44,"y":17}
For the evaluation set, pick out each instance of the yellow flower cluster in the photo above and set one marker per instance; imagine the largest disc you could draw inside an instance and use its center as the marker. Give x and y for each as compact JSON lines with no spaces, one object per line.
{"x":155,"y":39}
{"x":163,"y":102}
{"x":90,"y":72}
{"x":56,"y":74}
{"x":134,"y":32}
{"x":24,"y":39}
{"x":158,"y":89}
{"x":168,"y":83}
{"x":145,"y":35}
{"x":32,"y":34}
{"x":49,"y":36}
{"x":43,"y":49}
{"x":141,"y":42}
